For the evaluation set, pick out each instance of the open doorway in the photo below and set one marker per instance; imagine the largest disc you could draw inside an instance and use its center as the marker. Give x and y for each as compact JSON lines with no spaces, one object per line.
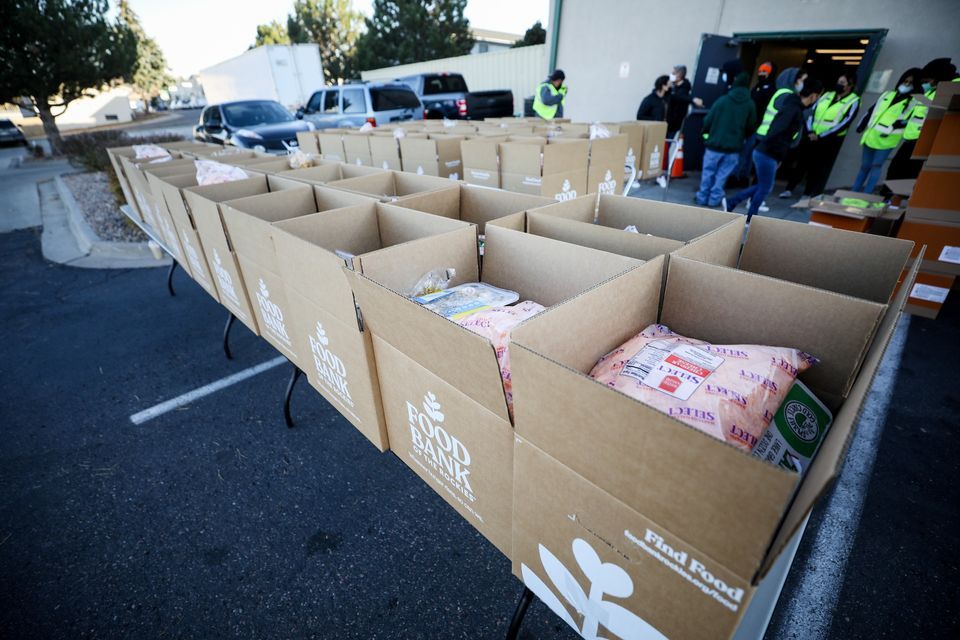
{"x":822,"y":54}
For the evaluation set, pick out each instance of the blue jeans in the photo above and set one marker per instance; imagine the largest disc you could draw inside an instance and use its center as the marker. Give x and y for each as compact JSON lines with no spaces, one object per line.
{"x":746,"y":156}
{"x":717,"y":167}
{"x":766,"y":172}
{"x":870,"y":168}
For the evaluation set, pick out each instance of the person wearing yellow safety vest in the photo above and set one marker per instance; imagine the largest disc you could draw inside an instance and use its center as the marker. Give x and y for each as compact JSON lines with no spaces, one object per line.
{"x":882,"y":128}
{"x":902,"y":166}
{"x":826,"y":129}
{"x":550,"y":96}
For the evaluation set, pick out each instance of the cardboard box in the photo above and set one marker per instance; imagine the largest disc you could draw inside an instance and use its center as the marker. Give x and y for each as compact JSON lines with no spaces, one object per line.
{"x":682,"y":525}
{"x":115,"y":153}
{"x":936,"y":196}
{"x":852,"y":211}
{"x":308,"y":143}
{"x":481,"y":160}
{"x":139,"y":189}
{"x":166,"y":226}
{"x":942,"y":240}
{"x":248,"y":224}
{"x":606,"y":171}
{"x":204,"y":205}
{"x":946,"y":101}
{"x":634,"y":132}
{"x":599,"y":223}
{"x":438,"y":156}
{"x":928,"y":294}
{"x":267,"y":166}
{"x":556,"y":169}
{"x":327,"y":171}
{"x":356,"y":146}
{"x":650,"y":156}
{"x":170,"y":188}
{"x":389,"y":186}
{"x":472,"y":204}
{"x":446,"y":414}
{"x":331,"y":145}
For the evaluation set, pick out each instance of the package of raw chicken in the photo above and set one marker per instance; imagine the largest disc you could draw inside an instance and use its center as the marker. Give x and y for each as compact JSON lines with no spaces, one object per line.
{"x":495,"y":324}
{"x":211,"y":172}
{"x":728,"y":391}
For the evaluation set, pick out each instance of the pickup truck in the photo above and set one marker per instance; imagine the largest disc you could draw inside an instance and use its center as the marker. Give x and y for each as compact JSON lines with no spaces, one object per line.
{"x":445,"y":95}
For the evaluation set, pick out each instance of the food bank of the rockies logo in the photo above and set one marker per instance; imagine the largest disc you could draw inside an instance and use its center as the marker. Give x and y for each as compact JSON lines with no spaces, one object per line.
{"x":330,"y":368}
{"x":435,"y":446}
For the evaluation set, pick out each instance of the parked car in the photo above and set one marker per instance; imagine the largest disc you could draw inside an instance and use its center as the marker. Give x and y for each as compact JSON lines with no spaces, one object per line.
{"x":353,"y":105}
{"x":11,"y":133}
{"x":445,"y":95}
{"x":261,"y":125}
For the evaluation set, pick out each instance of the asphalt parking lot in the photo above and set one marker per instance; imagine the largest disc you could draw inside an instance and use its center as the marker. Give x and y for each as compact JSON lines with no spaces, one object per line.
{"x":215,"y":520}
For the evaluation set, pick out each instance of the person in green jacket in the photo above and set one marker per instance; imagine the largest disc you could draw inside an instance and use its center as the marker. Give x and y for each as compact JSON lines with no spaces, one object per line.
{"x":730,"y":121}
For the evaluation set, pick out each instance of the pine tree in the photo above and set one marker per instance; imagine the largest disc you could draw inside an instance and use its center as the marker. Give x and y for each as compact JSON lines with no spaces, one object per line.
{"x":54,"y":51}
{"x":405,"y":31}
{"x":333,"y":25}
{"x":534,"y":35}
{"x":150,"y":76}
{"x":271,"y":33}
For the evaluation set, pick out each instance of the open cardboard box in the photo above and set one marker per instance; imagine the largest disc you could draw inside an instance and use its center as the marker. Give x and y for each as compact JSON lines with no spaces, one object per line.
{"x":432,"y":156}
{"x":327,"y":171}
{"x":137,"y":184}
{"x":356,"y":148}
{"x":476,"y":205}
{"x":481,"y":160}
{"x":308,"y":143}
{"x":115,"y":154}
{"x":331,"y":145}
{"x":271,"y":165}
{"x":326,"y":329}
{"x":851,"y":211}
{"x":248,"y":224}
{"x":600,"y":221}
{"x":691,"y":523}
{"x":204,"y":206}
{"x":606,"y":170}
{"x":443,"y":396}
{"x":553,"y":168}
{"x":391,"y":185}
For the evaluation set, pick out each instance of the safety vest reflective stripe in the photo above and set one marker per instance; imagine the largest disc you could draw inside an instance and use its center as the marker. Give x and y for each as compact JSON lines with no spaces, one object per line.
{"x":771,"y":112}
{"x":917,"y":115}
{"x":880,"y":133}
{"x":828,"y":114}
{"x":546,"y":111}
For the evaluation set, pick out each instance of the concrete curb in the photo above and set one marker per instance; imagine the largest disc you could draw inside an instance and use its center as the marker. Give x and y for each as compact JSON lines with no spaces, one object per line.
{"x":101,"y":253}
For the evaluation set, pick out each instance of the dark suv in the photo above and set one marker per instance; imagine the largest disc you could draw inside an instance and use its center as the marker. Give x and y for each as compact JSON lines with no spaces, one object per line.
{"x":261,"y":125}
{"x":353,"y":105}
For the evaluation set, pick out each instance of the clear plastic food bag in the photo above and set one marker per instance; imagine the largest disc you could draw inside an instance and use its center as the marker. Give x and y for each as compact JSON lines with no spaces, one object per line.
{"x":465,"y":299}
{"x":432,"y":282}
{"x":149,"y":152}
{"x":299,"y":160}
{"x":210,"y":172}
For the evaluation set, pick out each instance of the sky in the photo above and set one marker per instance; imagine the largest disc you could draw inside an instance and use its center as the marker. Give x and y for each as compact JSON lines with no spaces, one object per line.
{"x":195,"y":34}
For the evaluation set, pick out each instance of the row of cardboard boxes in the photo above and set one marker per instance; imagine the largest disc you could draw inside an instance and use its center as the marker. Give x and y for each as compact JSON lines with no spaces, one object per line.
{"x":616,"y":515}
{"x":558,"y":161}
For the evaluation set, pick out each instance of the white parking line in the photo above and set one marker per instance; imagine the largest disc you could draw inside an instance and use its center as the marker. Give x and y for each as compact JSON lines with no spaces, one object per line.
{"x":205,"y":390}
{"x":809,"y":609}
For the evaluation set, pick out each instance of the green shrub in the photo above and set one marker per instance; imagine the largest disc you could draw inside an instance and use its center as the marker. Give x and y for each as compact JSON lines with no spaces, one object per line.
{"x":89,"y":150}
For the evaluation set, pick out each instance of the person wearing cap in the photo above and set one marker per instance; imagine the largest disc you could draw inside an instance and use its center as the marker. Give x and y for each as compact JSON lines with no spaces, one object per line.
{"x":550,"y":96}
{"x":654,"y":106}
{"x":680,"y":100}
{"x":760,"y":95}
{"x":903,"y":167}
{"x":826,"y":129}
{"x":729,"y":122}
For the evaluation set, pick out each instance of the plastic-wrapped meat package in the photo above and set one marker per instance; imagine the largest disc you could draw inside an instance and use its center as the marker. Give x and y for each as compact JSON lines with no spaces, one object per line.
{"x":210,"y":172}
{"x":149,"y":152}
{"x":730,"y":392}
{"x":495,"y":324}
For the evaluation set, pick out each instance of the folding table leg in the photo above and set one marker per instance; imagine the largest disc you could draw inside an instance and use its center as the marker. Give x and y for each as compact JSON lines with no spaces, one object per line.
{"x":173,"y":267}
{"x":525,"y":599}
{"x":294,"y":376}
{"x":226,"y":335}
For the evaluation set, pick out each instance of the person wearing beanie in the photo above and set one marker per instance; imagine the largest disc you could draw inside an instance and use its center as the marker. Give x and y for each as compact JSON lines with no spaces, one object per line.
{"x":550,"y":96}
{"x":730,"y":121}
{"x":826,"y":129}
{"x":782,"y":134}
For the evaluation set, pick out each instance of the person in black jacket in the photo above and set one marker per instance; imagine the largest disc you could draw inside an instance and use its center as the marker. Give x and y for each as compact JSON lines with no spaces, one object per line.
{"x":783,"y":133}
{"x":654,"y":106}
{"x":680,"y":100}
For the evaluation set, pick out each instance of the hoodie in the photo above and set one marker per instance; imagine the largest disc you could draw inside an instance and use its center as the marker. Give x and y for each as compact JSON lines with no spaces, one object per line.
{"x":785,"y":129}
{"x":731,"y":119}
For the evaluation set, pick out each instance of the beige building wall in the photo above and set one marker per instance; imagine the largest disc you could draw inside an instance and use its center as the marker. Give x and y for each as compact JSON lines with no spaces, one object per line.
{"x":599,"y":38}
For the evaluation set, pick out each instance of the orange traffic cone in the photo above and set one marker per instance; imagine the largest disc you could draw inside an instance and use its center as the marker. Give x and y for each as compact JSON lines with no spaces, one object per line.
{"x":676,"y":171}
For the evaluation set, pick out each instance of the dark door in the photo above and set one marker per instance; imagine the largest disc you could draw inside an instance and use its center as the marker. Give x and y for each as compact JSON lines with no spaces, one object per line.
{"x":708,"y":85}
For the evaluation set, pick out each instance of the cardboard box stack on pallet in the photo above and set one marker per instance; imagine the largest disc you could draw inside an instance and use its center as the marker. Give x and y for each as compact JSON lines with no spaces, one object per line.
{"x":933,"y":213}
{"x":622,"y":518}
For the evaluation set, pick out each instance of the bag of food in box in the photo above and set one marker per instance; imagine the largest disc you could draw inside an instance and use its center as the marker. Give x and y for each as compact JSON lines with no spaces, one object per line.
{"x":796,"y":432}
{"x":730,"y":392}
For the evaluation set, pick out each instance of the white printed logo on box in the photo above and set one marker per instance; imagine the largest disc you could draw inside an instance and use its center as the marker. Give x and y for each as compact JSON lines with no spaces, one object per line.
{"x":606,"y":579}
{"x":272,"y":314}
{"x":435,"y":449}
{"x":193,"y":257}
{"x":655,"y":156}
{"x":566,"y":192}
{"x":331,"y":372}
{"x":226,"y":282}
{"x":608,"y":185}
{"x":631,"y":158}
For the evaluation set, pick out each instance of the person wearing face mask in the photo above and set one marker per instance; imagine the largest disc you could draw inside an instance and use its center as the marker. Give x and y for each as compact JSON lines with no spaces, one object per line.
{"x":882,"y":128}
{"x":654,"y":106}
{"x":826,"y":130}
{"x":680,"y":100}
{"x":764,"y":88}
{"x":782,"y":133}
{"x":903,"y":167}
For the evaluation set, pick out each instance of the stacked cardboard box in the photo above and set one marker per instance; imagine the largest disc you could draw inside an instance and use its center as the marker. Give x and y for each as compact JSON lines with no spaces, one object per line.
{"x":852,"y":211}
{"x":667,"y":529}
{"x":390,"y":185}
{"x":541,"y":167}
{"x":436,"y":155}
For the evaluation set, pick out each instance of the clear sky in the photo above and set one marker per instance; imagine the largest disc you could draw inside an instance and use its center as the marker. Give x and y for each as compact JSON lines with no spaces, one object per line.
{"x":195,"y":34}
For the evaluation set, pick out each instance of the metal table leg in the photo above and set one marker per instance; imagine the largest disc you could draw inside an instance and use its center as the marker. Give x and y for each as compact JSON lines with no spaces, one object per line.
{"x":226,"y":335}
{"x":525,"y":599}
{"x":173,"y":267}
{"x":286,"y":398}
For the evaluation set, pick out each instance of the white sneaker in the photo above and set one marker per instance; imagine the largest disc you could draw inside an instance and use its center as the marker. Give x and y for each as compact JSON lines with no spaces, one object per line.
{"x":786,"y":193}
{"x":763,"y":207}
